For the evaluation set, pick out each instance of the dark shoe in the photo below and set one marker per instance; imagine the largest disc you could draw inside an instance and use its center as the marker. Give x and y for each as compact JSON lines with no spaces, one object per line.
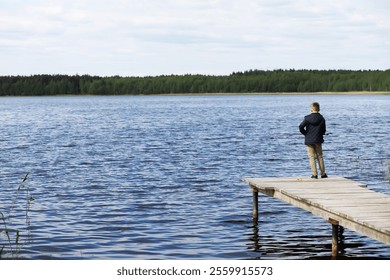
{"x":314,"y":176}
{"x":324,"y":176}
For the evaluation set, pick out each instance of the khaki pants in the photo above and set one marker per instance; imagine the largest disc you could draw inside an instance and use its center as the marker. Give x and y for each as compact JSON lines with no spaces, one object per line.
{"x":314,"y":152}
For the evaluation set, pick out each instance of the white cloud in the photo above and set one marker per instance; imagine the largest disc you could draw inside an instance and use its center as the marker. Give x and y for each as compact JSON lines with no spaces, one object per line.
{"x":151,"y":37}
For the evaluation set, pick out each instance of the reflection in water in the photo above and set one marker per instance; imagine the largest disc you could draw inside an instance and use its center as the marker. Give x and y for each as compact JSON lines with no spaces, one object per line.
{"x":341,"y":244}
{"x":306,"y":244}
{"x":255,"y":238}
{"x":298,"y":246}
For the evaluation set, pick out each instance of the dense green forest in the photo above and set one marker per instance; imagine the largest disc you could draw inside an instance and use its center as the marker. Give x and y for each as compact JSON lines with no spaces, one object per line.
{"x":252,"y":81}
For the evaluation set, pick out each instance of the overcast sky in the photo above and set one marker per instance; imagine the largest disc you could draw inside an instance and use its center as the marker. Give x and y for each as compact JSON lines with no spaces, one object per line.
{"x":159,"y":37}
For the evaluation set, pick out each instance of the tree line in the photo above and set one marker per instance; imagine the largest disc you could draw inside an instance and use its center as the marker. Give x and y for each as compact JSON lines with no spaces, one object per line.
{"x":252,"y":81}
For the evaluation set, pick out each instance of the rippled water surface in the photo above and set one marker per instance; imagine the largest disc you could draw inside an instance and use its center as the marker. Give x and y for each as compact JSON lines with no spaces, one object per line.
{"x":159,"y":177}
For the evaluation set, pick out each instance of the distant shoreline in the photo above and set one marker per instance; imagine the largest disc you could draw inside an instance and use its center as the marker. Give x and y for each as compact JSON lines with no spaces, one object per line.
{"x":216,"y":94}
{"x":280,"y":93}
{"x":253,"y":82}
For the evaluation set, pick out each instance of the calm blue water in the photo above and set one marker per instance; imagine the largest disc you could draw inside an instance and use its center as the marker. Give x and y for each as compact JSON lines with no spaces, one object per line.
{"x":159,"y":177}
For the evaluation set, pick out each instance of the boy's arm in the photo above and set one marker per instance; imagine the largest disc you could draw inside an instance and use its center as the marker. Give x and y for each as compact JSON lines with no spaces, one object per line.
{"x":324,"y":128}
{"x":302,"y":127}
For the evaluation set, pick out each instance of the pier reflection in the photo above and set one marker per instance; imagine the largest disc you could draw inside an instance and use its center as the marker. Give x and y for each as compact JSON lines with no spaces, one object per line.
{"x":255,"y":237}
{"x":297,"y":246}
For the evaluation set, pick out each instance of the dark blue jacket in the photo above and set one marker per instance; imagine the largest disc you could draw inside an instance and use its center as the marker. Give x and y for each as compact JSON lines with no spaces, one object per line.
{"x":313,"y":127}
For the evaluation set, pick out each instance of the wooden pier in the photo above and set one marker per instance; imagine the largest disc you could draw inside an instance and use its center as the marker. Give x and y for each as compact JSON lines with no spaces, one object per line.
{"x":340,"y":201}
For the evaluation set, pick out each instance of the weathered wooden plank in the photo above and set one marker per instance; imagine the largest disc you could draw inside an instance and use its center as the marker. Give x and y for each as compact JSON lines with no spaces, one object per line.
{"x":354,"y":202}
{"x":331,"y":181}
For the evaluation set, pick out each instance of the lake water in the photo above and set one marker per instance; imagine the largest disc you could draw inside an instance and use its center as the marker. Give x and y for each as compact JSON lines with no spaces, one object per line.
{"x":160,"y":177}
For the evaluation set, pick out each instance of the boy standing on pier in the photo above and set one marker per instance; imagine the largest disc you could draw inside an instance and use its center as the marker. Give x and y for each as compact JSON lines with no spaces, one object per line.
{"x":313,"y":127}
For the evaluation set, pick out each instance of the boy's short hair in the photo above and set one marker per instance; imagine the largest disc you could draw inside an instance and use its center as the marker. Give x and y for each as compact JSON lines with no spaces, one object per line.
{"x":315,"y":106}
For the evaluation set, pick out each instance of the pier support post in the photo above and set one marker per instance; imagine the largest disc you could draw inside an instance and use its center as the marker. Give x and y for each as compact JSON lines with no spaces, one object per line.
{"x":335,"y":240}
{"x":255,"y":206}
{"x":335,"y":237}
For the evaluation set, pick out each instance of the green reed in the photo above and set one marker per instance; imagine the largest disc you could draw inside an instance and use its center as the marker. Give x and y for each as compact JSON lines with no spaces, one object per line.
{"x":12,"y":240}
